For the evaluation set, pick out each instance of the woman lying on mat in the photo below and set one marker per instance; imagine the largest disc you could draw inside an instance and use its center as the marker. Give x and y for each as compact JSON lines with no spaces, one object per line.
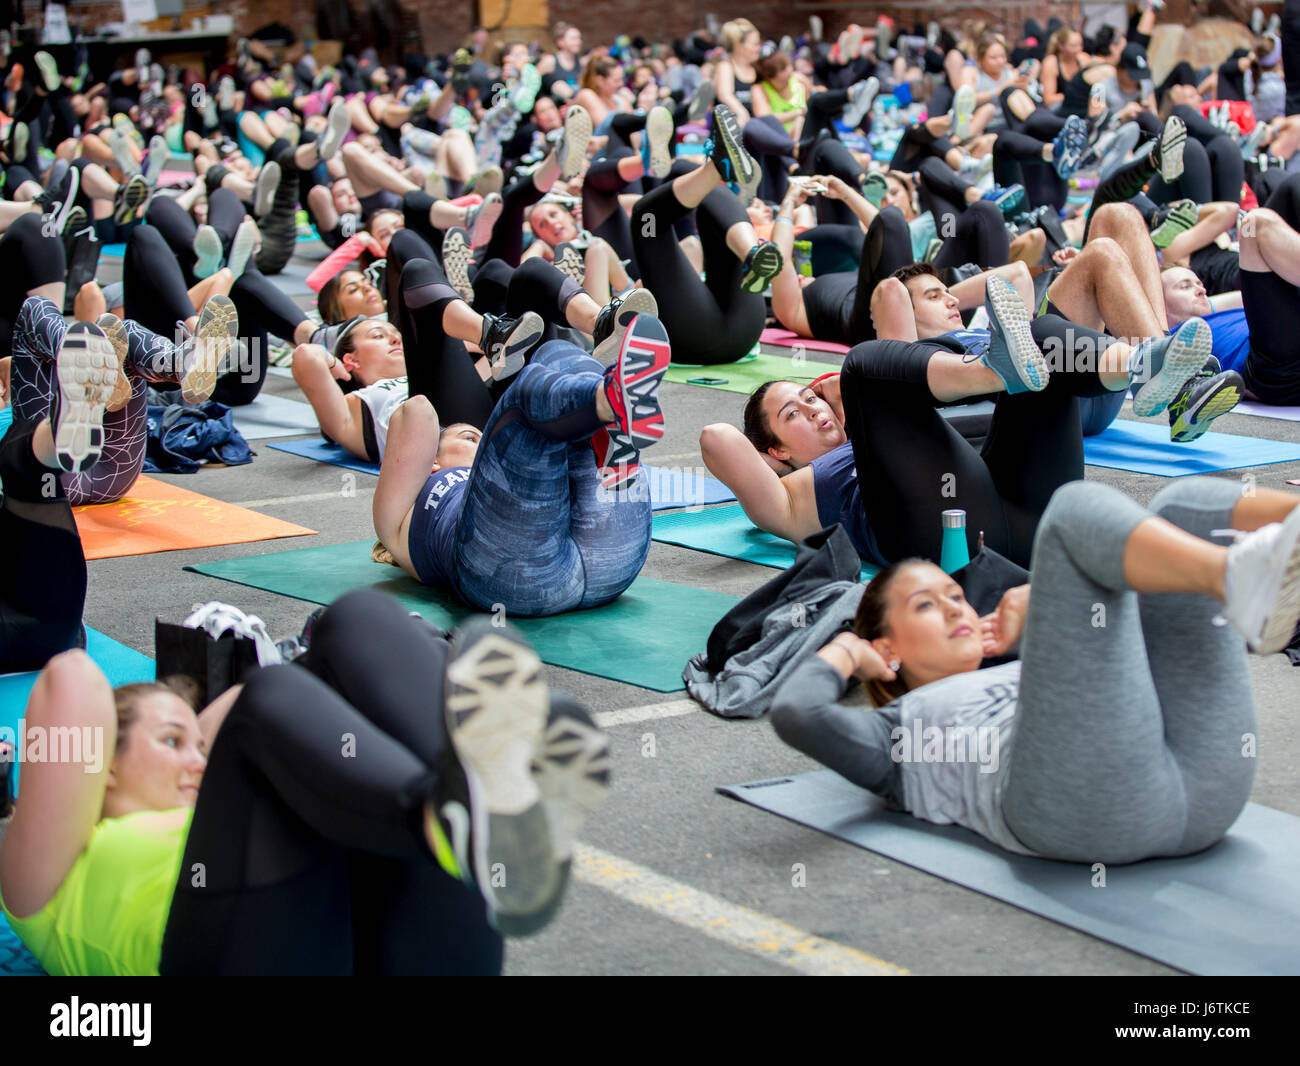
{"x":1117,"y":736}
{"x":814,"y":455}
{"x":92,"y":380}
{"x":356,"y":388}
{"x":237,"y":841}
{"x":541,"y":511}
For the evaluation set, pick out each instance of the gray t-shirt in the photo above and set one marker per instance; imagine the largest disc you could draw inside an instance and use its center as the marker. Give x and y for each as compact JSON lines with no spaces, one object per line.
{"x":1116,"y":97}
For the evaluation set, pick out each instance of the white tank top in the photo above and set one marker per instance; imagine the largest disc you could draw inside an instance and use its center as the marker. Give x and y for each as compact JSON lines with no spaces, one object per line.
{"x":379,"y":401}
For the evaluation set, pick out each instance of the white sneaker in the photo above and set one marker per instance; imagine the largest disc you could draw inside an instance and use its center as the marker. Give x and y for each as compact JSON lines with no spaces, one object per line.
{"x":1262,"y":583}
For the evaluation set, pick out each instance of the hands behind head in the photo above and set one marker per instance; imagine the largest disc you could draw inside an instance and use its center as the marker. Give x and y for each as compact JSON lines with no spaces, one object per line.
{"x":1002,"y":629}
{"x":850,"y":652}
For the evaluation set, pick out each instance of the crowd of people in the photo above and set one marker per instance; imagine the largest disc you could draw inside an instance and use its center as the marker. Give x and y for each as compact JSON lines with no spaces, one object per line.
{"x":521,"y":241}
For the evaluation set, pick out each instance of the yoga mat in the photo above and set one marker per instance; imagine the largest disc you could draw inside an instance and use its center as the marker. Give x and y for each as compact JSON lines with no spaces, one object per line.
{"x":16,"y":960}
{"x":1267,"y":410}
{"x":728,"y":532}
{"x":784,"y":338}
{"x":112,"y":251}
{"x":156,"y":516}
{"x":643,"y":638}
{"x":747,"y":375}
{"x":274,"y":416}
{"x":669,"y":488}
{"x":1145,"y":448}
{"x":1232,"y":909}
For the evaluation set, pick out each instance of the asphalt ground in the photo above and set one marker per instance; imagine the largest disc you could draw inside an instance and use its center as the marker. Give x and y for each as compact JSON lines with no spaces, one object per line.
{"x":674,"y":878}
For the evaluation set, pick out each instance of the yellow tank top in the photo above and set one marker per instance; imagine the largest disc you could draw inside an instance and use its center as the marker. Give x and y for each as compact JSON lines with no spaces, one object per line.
{"x":779,"y":103}
{"x":109,"y":914}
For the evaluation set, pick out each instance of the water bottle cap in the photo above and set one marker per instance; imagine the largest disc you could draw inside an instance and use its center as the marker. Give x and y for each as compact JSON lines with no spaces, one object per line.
{"x":954,"y":519}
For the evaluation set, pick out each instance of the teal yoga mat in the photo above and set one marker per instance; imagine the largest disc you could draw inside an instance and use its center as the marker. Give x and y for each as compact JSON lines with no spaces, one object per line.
{"x":727,"y":531}
{"x":1231,"y":909}
{"x":643,"y":638}
{"x":1145,"y":448}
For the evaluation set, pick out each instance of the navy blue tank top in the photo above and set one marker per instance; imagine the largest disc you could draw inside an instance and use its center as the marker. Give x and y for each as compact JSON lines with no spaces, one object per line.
{"x":839,"y":499}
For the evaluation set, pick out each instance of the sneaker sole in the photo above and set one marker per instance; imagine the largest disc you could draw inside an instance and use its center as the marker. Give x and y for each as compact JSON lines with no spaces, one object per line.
{"x":1008,"y":309}
{"x":484,"y":220}
{"x":643,"y":360}
{"x":571,"y":768}
{"x":766,"y":265}
{"x":207,"y":246}
{"x":659,"y":131}
{"x":577,"y":135}
{"x":213,"y":338}
{"x":134,"y":196}
{"x":339,"y":122}
{"x":570,"y":263}
{"x":1076,"y":142}
{"x":702,"y":102}
{"x":268,"y":180}
{"x":963,"y":110}
{"x":636,"y":302}
{"x":87,"y":371}
{"x":1171,"y":151}
{"x":456,"y":255}
{"x":115,"y":330}
{"x":1196,"y":422}
{"x":1186,"y":354}
{"x":727,"y":130}
{"x":1280,"y":620}
{"x":496,"y":709}
{"x":521,"y":340}
{"x":487,"y":181}
{"x":241,"y":248}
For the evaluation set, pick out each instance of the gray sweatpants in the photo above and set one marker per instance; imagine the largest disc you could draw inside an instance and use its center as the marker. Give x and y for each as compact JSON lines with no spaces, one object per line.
{"x":1134,"y":708}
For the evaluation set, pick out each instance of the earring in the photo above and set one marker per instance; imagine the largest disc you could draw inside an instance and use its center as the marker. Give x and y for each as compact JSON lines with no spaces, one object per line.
{"x":894,"y":664}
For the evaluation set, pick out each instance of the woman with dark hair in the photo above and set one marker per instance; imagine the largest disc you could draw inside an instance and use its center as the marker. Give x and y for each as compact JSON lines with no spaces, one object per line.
{"x":1111,"y":741}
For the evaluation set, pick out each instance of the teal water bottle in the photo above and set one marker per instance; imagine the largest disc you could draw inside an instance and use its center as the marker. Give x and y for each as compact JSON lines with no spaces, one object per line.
{"x":953,"y":552}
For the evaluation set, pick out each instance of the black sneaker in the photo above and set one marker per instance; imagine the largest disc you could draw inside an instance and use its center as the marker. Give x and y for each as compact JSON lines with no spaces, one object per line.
{"x":507,"y":341}
{"x":86,"y":372}
{"x":490,"y":814}
{"x":461,"y":63}
{"x":1201,"y":400}
{"x":571,"y":263}
{"x":58,"y":201}
{"x":762,"y":264}
{"x":613,"y":320}
{"x":728,"y":155}
{"x":130,"y":200}
{"x":456,"y":256}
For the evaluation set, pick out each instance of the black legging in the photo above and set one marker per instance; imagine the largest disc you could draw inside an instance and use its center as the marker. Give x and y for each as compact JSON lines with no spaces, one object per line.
{"x":621,"y":127}
{"x":823,"y":109}
{"x":831,"y":157}
{"x":602,"y":214}
{"x":1018,"y":160}
{"x":838,"y":306}
{"x":28,"y":260}
{"x":507,"y":240}
{"x":1129,"y":180}
{"x":1272,"y":305}
{"x":972,"y":233}
{"x":918,"y":143}
{"x":1227,"y":168}
{"x":43,"y":580}
{"x":912,"y":464}
{"x":769,"y":143}
{"x":710,"y":321}
{"x":318,"y":864}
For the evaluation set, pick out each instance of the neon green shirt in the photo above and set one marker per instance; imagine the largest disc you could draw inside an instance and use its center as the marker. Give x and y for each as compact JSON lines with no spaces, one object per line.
{"x":779,"y":103}
{"x":109,"y":914}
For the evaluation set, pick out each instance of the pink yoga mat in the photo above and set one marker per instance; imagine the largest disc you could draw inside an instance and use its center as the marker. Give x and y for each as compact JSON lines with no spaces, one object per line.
{"x":783,"y":338}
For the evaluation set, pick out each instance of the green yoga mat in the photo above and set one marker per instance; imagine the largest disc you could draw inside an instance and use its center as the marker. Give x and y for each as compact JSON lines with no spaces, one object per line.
{"x":727,"y":531}
{"x":643,"y":638}
{"x":747,"y":374}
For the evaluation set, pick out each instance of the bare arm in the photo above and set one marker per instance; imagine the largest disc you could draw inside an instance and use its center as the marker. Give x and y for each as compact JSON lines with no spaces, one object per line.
{"x":1212,"y":220}
{"x":339,"y":419}
{"x":1051,"y":71}
{"x":1226,"y":301}
{"x":970,"y":293}
{"x":735,"y":462}
{"x":724,"y":83}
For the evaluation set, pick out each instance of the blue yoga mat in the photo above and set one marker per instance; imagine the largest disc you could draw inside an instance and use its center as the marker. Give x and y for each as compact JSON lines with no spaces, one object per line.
{"x":669,"y":488}
{"x":1145,"y":448}
{"x":16,"y":960}
{"x":1231,"y":909}
{"x":727,"y":531}
{"x":112,"y":251}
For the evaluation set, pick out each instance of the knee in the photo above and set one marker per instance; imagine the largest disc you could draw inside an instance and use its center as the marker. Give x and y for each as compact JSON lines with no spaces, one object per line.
{"x":1103,"y":251}
{"x":336,"y":630}
{"x":72,"y":690}
{"x":1117,"y":215}
{"x":1257,"y":220}
{"x":415,"y":411}
{"x":890,"y":293}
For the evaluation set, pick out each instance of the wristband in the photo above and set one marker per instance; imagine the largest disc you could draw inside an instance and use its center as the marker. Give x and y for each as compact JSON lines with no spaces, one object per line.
{"x":782,"y":218}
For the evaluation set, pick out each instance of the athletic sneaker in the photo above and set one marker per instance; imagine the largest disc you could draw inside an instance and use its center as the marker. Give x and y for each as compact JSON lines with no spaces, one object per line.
{"x":702,"y":102}
{"x":328,"y":336}
{"x":875,"y":188}
{"x":58,"y":200}
{"x":762,"y":264}
{"x":1163,"y":365}
{"x":1047,"y":219}
{"x":632,"y":388}
{"x":480,"y":218}
{"x":861,"y":94}
{"x":86,"y":372}
{"x":242,"y":247}
{"x":155,"y":159}
{"x":487,"y":181}
{"x":1202,"y":399}
{"x":524,"y":94}
{"x":456,"y":256}
{"x":507,"y":341}
{"x":571,"y":263}
{"x":461,"y":63}
{"x":49,"y":70}
{"x":119,"y":144}
{"x":963,"y":110}
{"x":1172,"y":219}
{"x":115,"y":330}
{"x":1261,"y":583}
{"x":336,"y":128}
{"x":130,"y":200}
{"x":1068,"y":147}
{"x":1167,"y":154}
{"x":657,"y":142}
{"x":1012,"y":353}
{"x":728,"y":154}
{"x":203,"y":354}
{"x":226,"y":93}
{"x":1251,"y":145}
{"x":268,"y":180}
{"x":616,"y":318}
{"x":1008,"y":198}
{"x":571,"y":150}
{"x":207,"y":246}
{"x":488,"y":804}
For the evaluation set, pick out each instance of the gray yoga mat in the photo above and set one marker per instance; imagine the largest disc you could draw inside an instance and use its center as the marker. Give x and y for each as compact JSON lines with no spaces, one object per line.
{"x":274,"y":416}
{"x":1232,"y":909}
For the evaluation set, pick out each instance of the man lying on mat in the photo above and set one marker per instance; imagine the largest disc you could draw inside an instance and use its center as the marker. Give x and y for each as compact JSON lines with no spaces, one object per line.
{"x":523,"y":515}
{"x":869,"y":449}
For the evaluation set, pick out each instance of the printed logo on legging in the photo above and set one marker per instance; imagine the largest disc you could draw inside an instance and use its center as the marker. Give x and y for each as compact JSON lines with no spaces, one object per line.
{"x":443,"y":482}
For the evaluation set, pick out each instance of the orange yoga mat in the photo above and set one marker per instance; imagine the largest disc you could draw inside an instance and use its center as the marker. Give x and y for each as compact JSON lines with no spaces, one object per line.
{"x":156,"y":517}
